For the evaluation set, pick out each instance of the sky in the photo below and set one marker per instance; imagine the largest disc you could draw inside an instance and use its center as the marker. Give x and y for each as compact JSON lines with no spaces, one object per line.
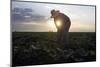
{"x":35,"y":17}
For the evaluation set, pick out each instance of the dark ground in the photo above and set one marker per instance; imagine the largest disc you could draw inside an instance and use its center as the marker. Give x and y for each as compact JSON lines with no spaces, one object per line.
{"x":37,"y":48}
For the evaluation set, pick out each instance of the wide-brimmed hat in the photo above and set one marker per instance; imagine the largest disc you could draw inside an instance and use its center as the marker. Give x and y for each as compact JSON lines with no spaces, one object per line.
{"x":53,"y":12}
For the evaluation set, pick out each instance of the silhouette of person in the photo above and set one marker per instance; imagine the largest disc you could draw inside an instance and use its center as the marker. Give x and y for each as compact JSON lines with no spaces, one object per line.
{"x":62,"y":27}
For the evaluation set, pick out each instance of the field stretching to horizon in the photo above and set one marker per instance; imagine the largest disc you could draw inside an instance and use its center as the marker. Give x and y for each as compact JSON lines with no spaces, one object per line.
{"x":37,"y":48}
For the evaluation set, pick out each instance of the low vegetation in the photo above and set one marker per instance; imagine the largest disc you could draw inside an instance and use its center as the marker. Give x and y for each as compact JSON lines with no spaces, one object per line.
{"x":36,"y":48}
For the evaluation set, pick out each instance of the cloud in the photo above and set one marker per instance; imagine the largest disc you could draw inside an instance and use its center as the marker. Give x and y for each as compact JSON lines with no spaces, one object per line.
{"x":82,"y":27}
{"x":26,"y":15}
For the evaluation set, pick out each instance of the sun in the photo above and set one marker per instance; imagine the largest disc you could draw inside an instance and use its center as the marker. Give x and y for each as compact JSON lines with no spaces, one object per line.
{"x":52,"y":25}
{"x":58,"y":23}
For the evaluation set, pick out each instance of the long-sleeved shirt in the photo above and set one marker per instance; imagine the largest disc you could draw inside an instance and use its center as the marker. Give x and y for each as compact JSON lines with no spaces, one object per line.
{"x":65,"y":22}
